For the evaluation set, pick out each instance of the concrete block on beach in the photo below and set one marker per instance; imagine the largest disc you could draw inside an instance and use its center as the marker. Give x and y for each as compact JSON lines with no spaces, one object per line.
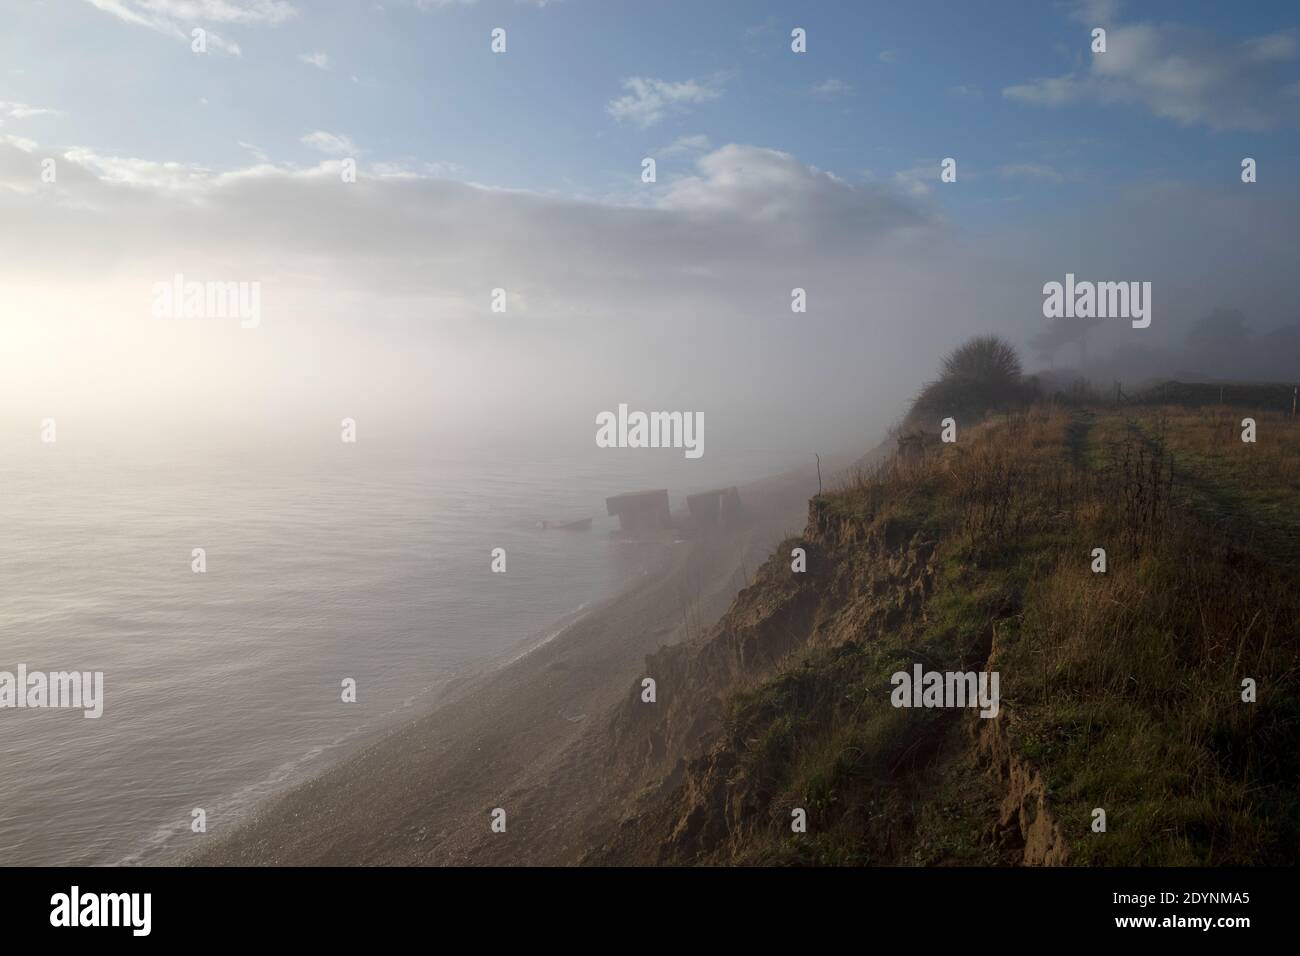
{"x":641,"y":511}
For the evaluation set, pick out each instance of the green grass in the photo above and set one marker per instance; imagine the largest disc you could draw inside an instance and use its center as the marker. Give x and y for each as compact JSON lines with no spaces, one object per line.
{"x":1248,"y":491}
{"x":1125,"y":686}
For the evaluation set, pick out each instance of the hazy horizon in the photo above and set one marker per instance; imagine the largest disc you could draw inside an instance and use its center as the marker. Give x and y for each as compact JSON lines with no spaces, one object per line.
{"x":375,"y":295}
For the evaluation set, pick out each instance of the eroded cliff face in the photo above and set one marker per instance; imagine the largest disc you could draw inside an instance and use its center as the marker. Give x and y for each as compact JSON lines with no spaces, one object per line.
{"x":1026,"y":826}
{"x":694,"y":764}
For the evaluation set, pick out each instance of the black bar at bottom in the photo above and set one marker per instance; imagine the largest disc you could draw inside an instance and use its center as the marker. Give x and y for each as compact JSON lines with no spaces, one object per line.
{"x":330,"y":905}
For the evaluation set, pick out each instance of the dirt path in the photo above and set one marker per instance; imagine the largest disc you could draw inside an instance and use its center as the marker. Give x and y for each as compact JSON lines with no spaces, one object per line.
{"x":1076,"y":436}
{"x":1271,"y":532}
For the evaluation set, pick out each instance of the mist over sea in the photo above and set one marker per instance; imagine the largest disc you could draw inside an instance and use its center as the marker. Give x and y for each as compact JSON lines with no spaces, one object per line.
{"x":221,"y":687}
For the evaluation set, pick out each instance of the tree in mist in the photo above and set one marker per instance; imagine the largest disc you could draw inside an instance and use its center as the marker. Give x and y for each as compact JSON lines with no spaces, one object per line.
{"x":979,"y":376}
{"x":986,"y":359}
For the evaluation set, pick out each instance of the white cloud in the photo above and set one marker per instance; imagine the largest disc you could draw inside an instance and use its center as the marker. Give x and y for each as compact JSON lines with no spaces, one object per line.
{"x":918,"y":180}
{"x":832,"y":87}
{"x":438,"y":237}
{"x":888,"y":56}
{"x":25,"y":145}
{"x":171,"y":12}
{"x":748,"y":185}
{"x":442,"y":169}
{"x":148,"y":174}
{"x":218,"y":42}
{"x":1177,"y":73}
{"x":319,"y":59}
{"x":331,"y":144}
{"x":408,"y":170}
{"x":258,"y":153}
{"x":961,"y":89}
{"x":1047,"y":91}
{"x":385,"y":170}
{"x":1095,"y":13}
{"x":649,"y":100}
{"x":761,"y":38}
{"x":684,"y":145}
{"x":1276,"y":46}
{"x":177,"y":18}
{"x":1039,"y":171}
{"x":21,"y":110}
{"x":441,"y":4}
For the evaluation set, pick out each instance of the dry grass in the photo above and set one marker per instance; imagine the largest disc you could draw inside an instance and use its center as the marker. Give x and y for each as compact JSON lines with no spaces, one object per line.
{"x":1125,"y":686}
{"x":1128,"y":683}
{"x":1210,"y":439}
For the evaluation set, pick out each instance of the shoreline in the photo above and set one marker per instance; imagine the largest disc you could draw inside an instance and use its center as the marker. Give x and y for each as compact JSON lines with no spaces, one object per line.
{"x":509,"y":731}
{"x":242,"y":804}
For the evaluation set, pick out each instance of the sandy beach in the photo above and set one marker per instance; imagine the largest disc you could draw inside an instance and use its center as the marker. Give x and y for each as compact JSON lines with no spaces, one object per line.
{"x":524,"y":736}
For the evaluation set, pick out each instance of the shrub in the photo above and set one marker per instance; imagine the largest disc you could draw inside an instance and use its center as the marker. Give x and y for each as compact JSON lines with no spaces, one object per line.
{"x":978,"y":377}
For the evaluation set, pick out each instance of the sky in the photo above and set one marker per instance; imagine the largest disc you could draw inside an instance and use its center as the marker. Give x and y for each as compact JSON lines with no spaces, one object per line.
{"x":522,"y":170}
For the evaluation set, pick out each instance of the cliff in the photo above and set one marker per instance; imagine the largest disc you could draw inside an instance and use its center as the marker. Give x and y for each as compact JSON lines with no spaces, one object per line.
{"x":1121,"y":688}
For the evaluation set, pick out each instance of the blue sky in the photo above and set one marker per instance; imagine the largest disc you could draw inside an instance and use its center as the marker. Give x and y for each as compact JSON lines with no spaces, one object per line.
{"x":522,"y":171}
{"x":883,"y":89}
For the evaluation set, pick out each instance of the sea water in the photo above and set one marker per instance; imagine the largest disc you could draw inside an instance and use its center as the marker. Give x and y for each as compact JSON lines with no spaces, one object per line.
{"x":222,"y":686}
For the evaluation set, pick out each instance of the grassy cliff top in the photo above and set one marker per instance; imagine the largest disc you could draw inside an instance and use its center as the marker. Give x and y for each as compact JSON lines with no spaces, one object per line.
{"x":1122,"y":689}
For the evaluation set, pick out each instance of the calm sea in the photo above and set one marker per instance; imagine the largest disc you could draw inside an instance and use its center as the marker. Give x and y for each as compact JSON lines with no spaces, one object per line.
{"x":224,"y":686}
